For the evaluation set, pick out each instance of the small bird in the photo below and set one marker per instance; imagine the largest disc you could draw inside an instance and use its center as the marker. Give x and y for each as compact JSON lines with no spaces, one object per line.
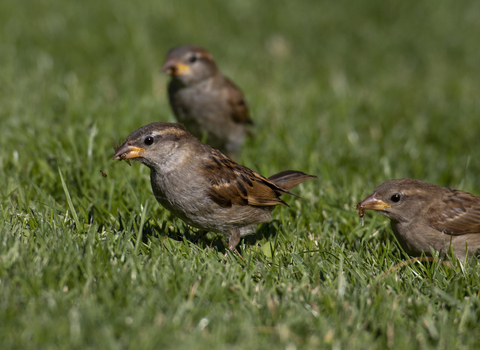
{"x":204,"y":100}
{"x":425,"y":216}
{"x":201,"y":185}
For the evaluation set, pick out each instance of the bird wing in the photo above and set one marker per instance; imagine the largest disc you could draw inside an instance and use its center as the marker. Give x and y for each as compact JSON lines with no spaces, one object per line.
{"x":236,"y":101}
{"x":231,"y":183}
{"x":458,"y":214}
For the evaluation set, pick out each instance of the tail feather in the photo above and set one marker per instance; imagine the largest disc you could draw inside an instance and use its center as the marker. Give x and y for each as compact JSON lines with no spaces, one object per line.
{"x":288,"y":179}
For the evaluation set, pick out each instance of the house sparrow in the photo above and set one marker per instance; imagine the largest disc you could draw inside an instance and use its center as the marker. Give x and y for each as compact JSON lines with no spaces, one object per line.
{"x":204,"y":100}
{"x":201,"y":185}
{"x":424,"y":216}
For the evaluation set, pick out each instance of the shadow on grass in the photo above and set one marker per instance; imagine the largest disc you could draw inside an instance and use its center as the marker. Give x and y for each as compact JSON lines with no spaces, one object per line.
{"x":183,"y":232}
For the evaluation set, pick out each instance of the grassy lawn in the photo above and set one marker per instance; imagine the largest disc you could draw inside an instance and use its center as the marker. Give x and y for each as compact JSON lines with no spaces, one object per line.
{"x":356,"y":92}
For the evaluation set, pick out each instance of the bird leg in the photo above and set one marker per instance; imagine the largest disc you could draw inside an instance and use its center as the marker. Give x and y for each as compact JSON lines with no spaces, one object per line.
{"x":233,"y":241}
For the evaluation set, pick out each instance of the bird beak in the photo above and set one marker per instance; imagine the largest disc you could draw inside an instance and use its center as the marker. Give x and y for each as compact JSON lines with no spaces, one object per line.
{"x":371,"y":203}
{"x":172,"y":67}
{"x":127,"y":151}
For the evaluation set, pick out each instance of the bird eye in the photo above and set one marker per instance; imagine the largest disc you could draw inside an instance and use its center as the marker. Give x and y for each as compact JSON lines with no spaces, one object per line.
{"x":395,"y":198}
{"x":192,"y":58}
{"x":148,"y":141}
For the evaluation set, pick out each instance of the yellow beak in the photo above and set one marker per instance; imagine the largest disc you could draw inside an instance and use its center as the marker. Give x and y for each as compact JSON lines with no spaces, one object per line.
{"x":371,"y":203}
{"x":175,"y":68}
{"x":127,"y":151}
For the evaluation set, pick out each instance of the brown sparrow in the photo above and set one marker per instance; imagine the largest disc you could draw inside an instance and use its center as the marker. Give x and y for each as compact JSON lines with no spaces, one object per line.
{"x":204,"y":100}
{"x":201,"y":185}
{"x":425,"y":217}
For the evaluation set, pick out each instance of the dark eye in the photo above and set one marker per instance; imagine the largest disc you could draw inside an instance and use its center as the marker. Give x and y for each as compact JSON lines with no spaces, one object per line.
{"x":192,"y":58}
{"x":148,"y":141}
{"x":395,"y":198}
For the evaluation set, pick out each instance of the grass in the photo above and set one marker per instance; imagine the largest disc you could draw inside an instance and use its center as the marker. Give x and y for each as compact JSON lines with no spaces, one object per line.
{"x":354,"y":92}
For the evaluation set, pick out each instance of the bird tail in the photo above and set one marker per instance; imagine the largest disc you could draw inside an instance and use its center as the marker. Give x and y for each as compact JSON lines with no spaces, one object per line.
{"x":288,"y":179}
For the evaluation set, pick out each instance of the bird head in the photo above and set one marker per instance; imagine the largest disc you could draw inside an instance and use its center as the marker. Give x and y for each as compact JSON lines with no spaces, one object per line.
{"x":189,"y":64}
{"x":400,"y":199}
{"x":152,"y":144}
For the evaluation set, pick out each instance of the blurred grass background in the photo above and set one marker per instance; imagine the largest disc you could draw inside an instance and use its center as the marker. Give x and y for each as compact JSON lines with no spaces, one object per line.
{"x":354,"y":92}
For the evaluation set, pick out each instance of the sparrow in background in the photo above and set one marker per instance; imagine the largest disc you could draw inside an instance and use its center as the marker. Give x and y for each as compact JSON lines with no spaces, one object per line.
{"x":424,"y":216}
{"x":201,"y":185}
{"x":204,"y":100}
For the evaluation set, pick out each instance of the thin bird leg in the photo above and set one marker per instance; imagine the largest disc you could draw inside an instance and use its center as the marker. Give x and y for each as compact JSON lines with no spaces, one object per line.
{"x":233,"y":241}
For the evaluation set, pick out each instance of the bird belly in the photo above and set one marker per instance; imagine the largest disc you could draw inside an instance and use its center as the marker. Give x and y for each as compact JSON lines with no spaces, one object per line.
{"x":206,"y":215}
{"x":413,"y":242}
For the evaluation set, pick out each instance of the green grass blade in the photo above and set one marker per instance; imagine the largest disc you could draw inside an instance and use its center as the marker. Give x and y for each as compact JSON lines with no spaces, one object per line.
{"x":70,"y":203}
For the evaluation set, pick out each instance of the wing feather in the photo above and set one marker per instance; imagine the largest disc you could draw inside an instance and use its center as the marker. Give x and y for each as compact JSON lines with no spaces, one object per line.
{"x":231,"y":183}
{"x":458,"y":214}
{"x":236,"y":101}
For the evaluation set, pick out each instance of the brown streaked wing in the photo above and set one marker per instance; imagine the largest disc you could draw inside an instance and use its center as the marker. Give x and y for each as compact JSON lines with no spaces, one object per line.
{"x":239,"y":108}
{"x":231,"y":183}
{"x":458,"y":214}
